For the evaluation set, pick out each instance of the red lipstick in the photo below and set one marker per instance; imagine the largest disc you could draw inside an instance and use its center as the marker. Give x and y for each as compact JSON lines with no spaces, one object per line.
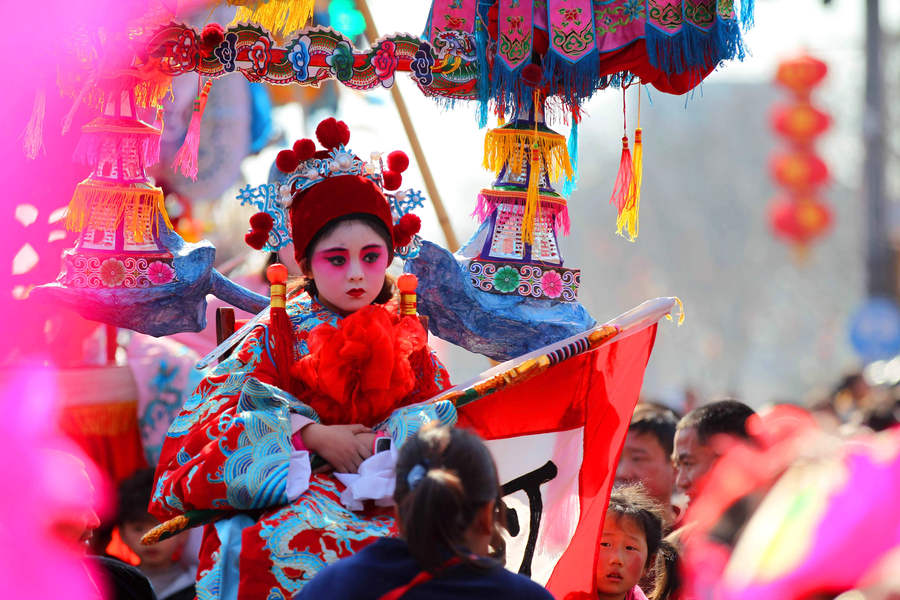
{"x":356,"y":292}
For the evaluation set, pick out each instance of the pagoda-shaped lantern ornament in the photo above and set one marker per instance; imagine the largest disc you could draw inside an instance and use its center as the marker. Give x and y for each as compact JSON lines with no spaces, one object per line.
{"x":522,"y":215}
{"x":128,"y":267}
{"x":117,"y":210}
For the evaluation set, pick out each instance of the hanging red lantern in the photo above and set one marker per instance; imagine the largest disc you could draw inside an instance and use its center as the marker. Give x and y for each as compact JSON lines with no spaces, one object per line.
{"x":799,"y":220}
{"x":801,"y":74}
{"x":798,"y":169}
{"x":799,"y":216}
{"x":800,"y":123}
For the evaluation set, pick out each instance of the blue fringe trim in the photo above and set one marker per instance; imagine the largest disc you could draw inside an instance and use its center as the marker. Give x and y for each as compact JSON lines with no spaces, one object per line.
{"x":483,"y":85}
{"x":573,"y":81}
{"x":693,"y":47}
{"x":747,"y":8}
{"x":570,"y":184}
{"x":507,"y":88}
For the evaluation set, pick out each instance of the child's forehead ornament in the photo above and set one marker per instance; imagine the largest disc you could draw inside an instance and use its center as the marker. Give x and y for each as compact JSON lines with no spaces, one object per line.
{"x":302,"y":166}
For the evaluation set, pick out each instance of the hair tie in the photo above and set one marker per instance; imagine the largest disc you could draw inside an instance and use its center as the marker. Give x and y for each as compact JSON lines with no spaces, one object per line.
{"x":415,"y":475}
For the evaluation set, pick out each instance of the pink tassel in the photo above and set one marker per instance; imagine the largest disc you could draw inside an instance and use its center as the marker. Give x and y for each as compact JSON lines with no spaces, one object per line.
{"x":34,"y":131}
{"x":484,"y":207}
{"x":186,"y":157}
{"x":619,"y":196}
{"x":562,"y":221}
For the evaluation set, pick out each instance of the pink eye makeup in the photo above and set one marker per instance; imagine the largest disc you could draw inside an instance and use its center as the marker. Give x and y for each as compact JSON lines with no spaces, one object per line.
{"x":331,"y":258}
{"x":373,"y":256}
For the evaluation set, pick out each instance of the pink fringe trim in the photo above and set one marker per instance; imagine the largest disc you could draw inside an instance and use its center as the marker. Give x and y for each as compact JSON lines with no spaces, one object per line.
{"x":484,"y":207}
{"x":562,"y":221}
{"x":486,"y":204}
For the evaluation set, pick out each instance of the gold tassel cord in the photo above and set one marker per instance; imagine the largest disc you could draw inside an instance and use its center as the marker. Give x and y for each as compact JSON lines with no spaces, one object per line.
{"x":534,"y":182}
{"x":101,"y":206}
{"x":502,"y":146}
{"x":278,"y":16}
{"x":680,"y":312}
{"x":531,"y":197}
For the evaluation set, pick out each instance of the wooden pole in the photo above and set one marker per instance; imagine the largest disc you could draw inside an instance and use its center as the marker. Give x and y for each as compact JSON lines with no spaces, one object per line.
{"x":443,"y":218}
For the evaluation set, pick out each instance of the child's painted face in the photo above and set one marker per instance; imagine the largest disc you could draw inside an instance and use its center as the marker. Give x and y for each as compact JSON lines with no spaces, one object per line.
{"x":348,"y":267}
{"x":622,"y":556}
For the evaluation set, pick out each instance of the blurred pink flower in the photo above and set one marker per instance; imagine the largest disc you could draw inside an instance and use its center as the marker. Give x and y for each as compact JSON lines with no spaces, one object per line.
{"x":551,"y":284}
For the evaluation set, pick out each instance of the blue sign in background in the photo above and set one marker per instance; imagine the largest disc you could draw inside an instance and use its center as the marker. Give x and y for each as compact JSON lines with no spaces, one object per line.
{"x":875,"y":329}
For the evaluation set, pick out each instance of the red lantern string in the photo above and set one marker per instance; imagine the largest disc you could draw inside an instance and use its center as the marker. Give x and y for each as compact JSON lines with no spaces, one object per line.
{"x":798,"y":215}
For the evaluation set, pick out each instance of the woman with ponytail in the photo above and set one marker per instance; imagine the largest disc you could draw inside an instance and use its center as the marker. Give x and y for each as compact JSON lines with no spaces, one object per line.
{"x":448,"y":514}
{"x":290,"y":442}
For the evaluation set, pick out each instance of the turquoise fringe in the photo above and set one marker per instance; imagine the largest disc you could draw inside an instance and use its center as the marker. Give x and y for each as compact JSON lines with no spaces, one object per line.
{"x":574,"y":81}
{"x":571,"y":183}
{"x":693,"y":47}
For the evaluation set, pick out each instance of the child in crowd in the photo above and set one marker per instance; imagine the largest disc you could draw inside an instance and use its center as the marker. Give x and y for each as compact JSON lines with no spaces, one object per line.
{"x":171,"y":579}
{"x":449,"y":516}
{"x":628,"y":546}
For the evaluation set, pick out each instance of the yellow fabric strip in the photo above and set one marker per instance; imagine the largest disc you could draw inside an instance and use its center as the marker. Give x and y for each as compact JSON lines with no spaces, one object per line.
{"x":502,"y":146}
{"x":278,"y":16}
{"x":94,"y":202}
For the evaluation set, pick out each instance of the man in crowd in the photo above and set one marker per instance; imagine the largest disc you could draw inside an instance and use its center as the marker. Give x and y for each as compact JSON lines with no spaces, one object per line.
{"x":700,"y":438}
{"x":646,"y":455}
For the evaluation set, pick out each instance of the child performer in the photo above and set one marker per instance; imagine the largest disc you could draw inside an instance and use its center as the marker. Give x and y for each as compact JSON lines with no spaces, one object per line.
{"x":326,"y":378}
{"x":446,"y":493}
{"x":631,"y":538}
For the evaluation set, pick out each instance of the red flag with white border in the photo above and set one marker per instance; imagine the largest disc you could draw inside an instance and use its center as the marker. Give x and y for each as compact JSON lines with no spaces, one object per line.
{"x":556,"y":439}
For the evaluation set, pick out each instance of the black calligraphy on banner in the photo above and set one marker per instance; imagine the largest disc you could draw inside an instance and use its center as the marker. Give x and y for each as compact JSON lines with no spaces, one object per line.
{"x":530,"y":483}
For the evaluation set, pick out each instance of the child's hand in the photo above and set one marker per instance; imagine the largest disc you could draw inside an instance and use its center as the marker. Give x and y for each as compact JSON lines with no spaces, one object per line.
{"x":367,"y":438}
{"x":340,"y":445}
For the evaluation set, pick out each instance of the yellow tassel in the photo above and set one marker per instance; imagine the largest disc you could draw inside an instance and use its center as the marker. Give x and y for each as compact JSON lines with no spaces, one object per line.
{"x":152,"y":92}
{"x":96,"y":205}
{"x":531,"y":198}
{"x":502,"y":146}
{"x":628,"y":219}
{"x":278,"y":16}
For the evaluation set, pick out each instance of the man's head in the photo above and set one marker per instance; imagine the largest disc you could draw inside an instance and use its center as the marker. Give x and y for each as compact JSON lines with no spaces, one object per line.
{"x":646,"y":455}
{"x":697,"y":438}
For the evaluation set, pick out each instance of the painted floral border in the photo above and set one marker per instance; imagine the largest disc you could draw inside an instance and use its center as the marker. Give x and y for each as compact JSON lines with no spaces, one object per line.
{"x":525,"y":279}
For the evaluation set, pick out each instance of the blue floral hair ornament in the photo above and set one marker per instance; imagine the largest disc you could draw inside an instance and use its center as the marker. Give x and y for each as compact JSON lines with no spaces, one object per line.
{"x":415,"y":475}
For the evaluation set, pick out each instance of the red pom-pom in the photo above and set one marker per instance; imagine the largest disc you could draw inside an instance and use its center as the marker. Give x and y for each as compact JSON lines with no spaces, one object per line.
{"x":392,"y":180}
{"x":262,"y":221}
{"x":331,"y":133}
{"x":286,"y":161}
{"x":256,"y":239}
{"x":304,"y":149}
{"x":276,"y":273}
{"x":541,"y":41}
{"x":408,"y":226}
{"x":407,"y":283}
{"x":410,"y":223}
{"x":532,"y":75}
{"x":397,"y":161}
{"x":211,"y":36}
